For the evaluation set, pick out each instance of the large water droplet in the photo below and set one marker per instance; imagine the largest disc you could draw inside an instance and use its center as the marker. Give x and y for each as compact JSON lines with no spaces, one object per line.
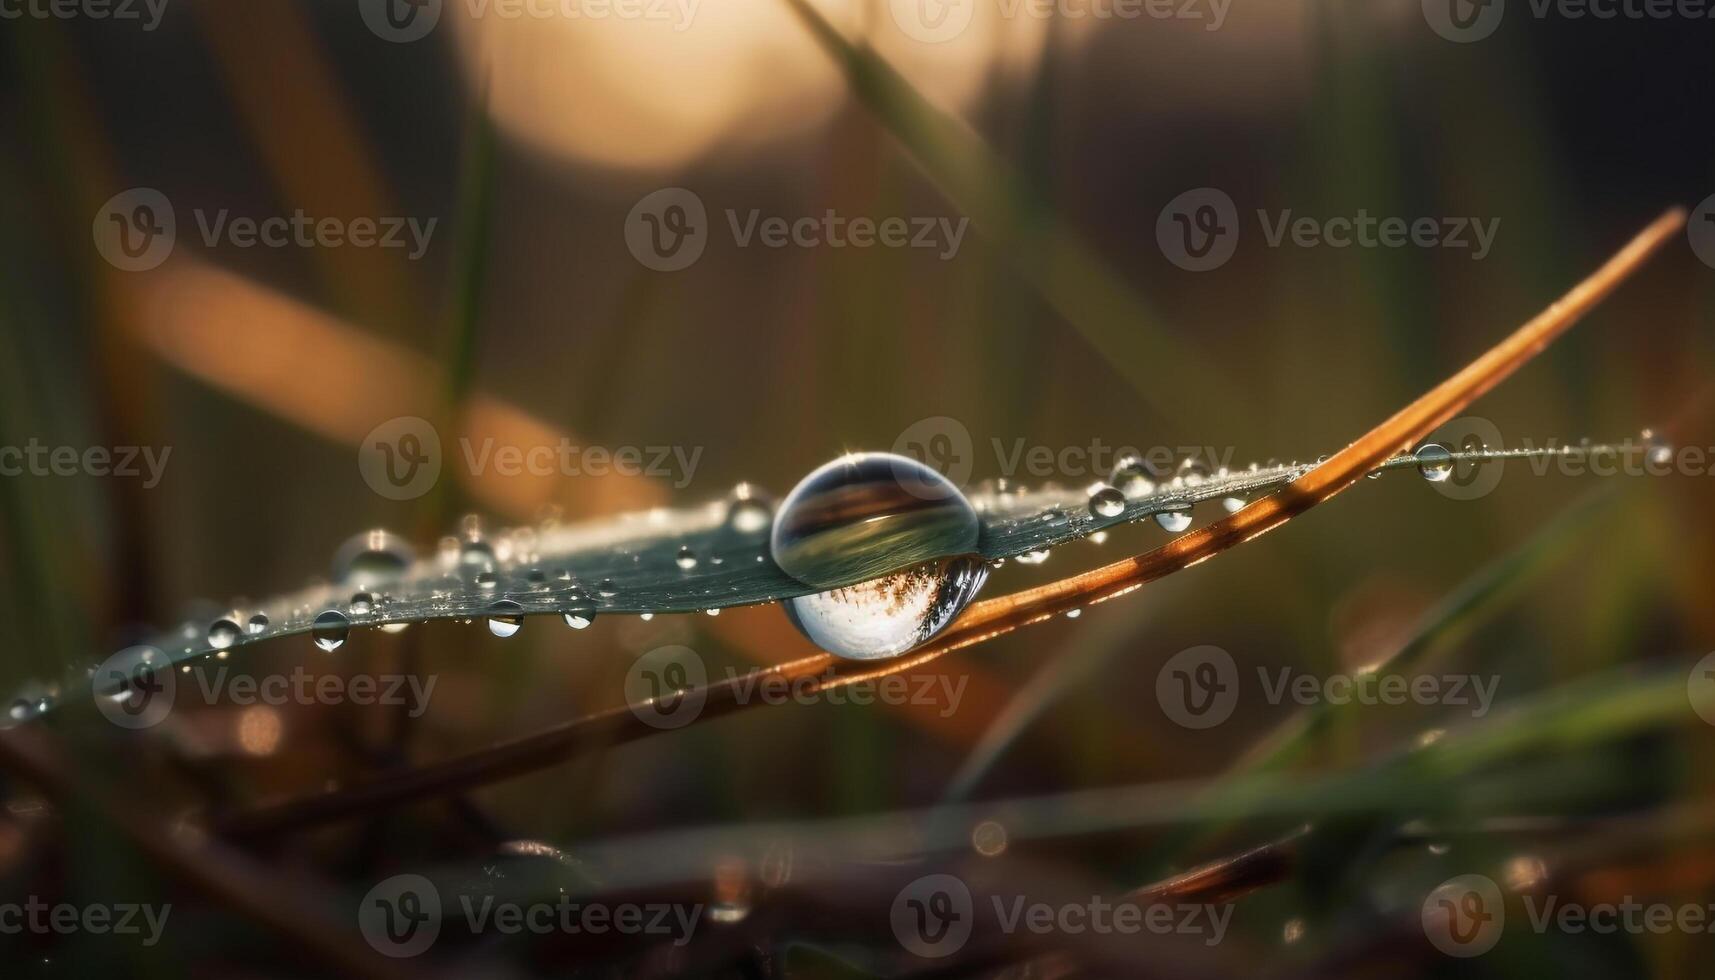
{"x":887,"y":616}
{"x":330,"y":629}
{"x":1434,"y":462}
{"x":1174,"y":521}
{"x":865,"y":515}
{"x":372,"y":557}
{"x":1105,"y":501}
{"x":222,"y":633}
{"x":505,"y":617}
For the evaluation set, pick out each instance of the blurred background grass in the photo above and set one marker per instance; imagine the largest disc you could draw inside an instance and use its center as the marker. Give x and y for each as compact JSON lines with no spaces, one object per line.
{"x":530,"y":140}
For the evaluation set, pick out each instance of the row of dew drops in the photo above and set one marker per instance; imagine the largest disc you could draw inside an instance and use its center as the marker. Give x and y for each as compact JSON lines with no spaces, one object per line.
{"x":378,"y":556}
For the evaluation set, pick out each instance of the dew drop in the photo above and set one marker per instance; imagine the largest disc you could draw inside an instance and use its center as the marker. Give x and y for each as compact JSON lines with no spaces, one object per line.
{"x":362,"y":603}
{"x":748,"y":511}
{"x":579,"y":619}
{"x":505,"y":618}
{"x":887,"y":616}
{"x":258,"y":623}
{"x":1133,"y":476}
{"x":21,"y":710}
{"x":1434,"y":462}
{"x":372,"y":557}
{"x":1105,"y":501}
{"x":1174,"y":521}
{"x":395,"y":628}
{"x":646,"y":617}
{"x":1036,"y":557}
{"x":223,"y":633}
{"x":1233,"y":503}
{"x":476,"y":552}
{"x":687,"y":559}
{"x":330,"y":629}
{"x":867,"y":515}
{"x":487,"y":580}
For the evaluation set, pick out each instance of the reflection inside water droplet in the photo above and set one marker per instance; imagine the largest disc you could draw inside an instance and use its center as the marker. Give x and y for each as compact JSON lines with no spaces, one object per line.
{"x":865,"y":515}
{"x":505,"y":618}
{"x":1105,"y":501}
{"x":887,"y":616}
{"x":1434,"y":462}
{"x":222,"y":633}
{"x":330,"y":630}
{"x":1174,"y":521}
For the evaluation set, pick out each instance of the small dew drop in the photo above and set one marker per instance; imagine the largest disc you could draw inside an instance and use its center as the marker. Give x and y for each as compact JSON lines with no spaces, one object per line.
{"x":505,"y":618}
{"x":687,"y":559}
{"x":395,"y":628}
{"x":1133,"y":476}
{"x":362,"y":603}
{"x":1105,"y":501}
{"x":371,"y":557}
{"x":1233,"y":503}
{"x":646,"y":617}
{"x":748,"y":511}
{"x":223,"y":633}
{"x":1434,"y":462}
{"x":1174,"y":521}
{"x":1036,"y":557}
{"x":330,"y":629}
{"x":258,"y":623}
{"x":1074,"y":613}
{"x":487,"y":580}
{"x":579,"y":619}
